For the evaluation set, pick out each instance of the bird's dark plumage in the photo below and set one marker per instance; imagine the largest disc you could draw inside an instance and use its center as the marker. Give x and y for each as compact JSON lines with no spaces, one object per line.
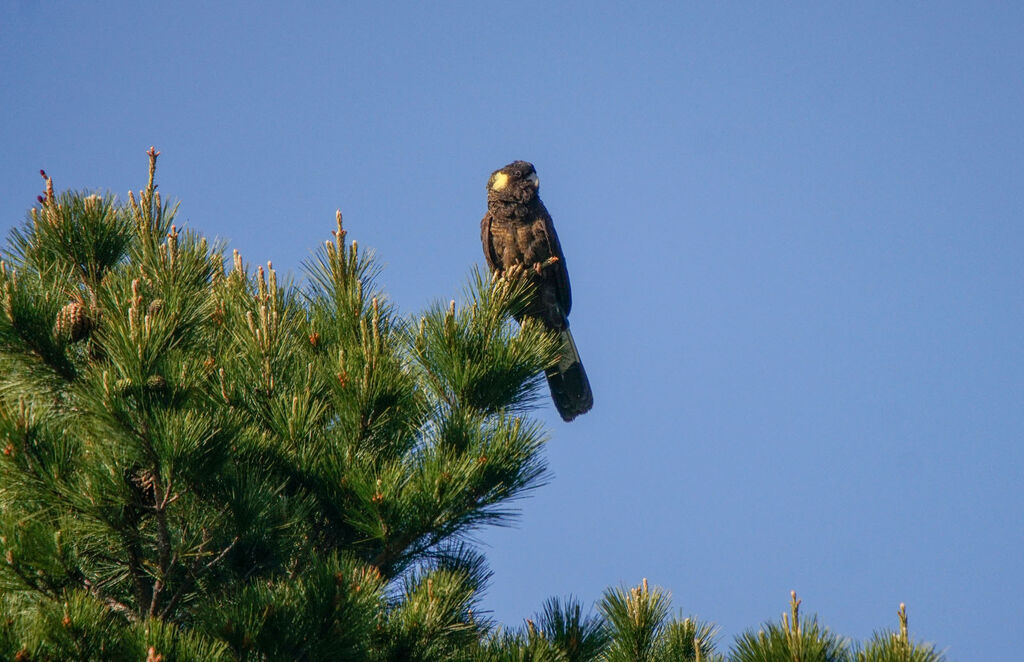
{"x":517,"y":231}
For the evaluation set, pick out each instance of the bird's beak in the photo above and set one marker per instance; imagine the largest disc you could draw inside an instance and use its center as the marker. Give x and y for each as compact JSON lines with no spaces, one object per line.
{"x":534,"y":180}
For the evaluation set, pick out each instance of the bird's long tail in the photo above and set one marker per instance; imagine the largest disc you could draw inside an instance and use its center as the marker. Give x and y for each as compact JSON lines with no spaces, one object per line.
{"x":570,"y":388}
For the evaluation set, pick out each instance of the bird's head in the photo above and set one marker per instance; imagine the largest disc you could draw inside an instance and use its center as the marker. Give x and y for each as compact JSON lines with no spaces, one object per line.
{"x":516,"y":182}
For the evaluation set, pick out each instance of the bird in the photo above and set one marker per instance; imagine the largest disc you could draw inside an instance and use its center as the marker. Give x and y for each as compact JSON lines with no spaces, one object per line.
{"x":517,"y":233}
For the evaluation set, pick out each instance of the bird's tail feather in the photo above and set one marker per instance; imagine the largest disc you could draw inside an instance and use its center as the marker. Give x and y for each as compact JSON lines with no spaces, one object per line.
{"x":567,"y":379}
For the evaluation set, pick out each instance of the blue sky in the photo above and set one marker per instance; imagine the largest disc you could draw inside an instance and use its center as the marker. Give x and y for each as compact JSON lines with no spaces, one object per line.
{"x":793,"y":231}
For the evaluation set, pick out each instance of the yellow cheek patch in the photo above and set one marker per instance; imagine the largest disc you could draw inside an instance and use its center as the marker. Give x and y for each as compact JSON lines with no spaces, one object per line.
{"x":499,"y":182}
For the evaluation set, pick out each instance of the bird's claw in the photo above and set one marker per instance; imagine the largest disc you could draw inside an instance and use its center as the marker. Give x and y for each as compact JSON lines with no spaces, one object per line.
{"x":539,"y":267}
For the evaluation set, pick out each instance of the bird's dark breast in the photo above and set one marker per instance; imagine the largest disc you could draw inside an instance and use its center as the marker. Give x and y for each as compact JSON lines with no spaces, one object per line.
{"x":511,"y":211}
{"x":515,"y":237}
{"x":519,"y":237}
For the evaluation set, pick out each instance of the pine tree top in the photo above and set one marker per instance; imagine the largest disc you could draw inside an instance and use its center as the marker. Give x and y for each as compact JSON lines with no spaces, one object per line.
{"x":193,"y":443}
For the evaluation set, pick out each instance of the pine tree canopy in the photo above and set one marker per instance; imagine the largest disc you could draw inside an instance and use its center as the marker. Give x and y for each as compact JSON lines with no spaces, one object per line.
{"x":201,"y":462}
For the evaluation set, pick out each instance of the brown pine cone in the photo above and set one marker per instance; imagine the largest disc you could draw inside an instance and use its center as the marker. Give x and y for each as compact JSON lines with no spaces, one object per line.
{"x":73,"y":322}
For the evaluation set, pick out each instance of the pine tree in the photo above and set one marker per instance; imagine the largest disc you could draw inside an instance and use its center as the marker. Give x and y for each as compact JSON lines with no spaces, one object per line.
{"x":201,"y":462}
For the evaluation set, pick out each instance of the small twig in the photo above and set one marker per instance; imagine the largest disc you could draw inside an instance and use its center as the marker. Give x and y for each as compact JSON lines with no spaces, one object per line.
{"x":163,"y":543}
{"x":168,"y":496}
{"x":192,"y":578}
{"x":115,"y":605}
{"x":31,"y":583}
{"x":223,"y":553}
{"x":134,"y":566}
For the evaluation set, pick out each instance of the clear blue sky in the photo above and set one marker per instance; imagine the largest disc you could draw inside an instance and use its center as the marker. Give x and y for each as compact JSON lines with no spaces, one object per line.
{"x":794,"y":234}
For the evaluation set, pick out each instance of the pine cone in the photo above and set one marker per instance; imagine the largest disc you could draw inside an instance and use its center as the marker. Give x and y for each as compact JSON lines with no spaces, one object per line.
{"x":72,"y":322}
{"x":156,"y":383}
{"x":155,"y":306}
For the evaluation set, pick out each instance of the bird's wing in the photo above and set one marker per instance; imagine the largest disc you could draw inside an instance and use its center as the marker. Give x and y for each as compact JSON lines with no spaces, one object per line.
{"x":493,"y":261}
{"x":559,"y":272}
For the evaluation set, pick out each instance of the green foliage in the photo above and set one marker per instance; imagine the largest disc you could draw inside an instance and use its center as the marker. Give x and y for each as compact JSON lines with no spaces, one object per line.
{"x":636,"y":619}
{"x":641,"y":629}
{"x":432,"y":619}
{"x":81,"y":236}
{"x":328,"y":611}
{"x":792,"y":640}
{"x":519,"y":647}
{"x":212,"y":464}
{"x":897,"y":646}
{"x":472,"y":356}
{"x":199,"y":462}
{"x":689,"y":640}
{"x":578,"y":638}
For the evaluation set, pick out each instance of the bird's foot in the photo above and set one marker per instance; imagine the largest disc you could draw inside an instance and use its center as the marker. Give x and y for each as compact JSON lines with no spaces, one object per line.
{"x":539,"y":267}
